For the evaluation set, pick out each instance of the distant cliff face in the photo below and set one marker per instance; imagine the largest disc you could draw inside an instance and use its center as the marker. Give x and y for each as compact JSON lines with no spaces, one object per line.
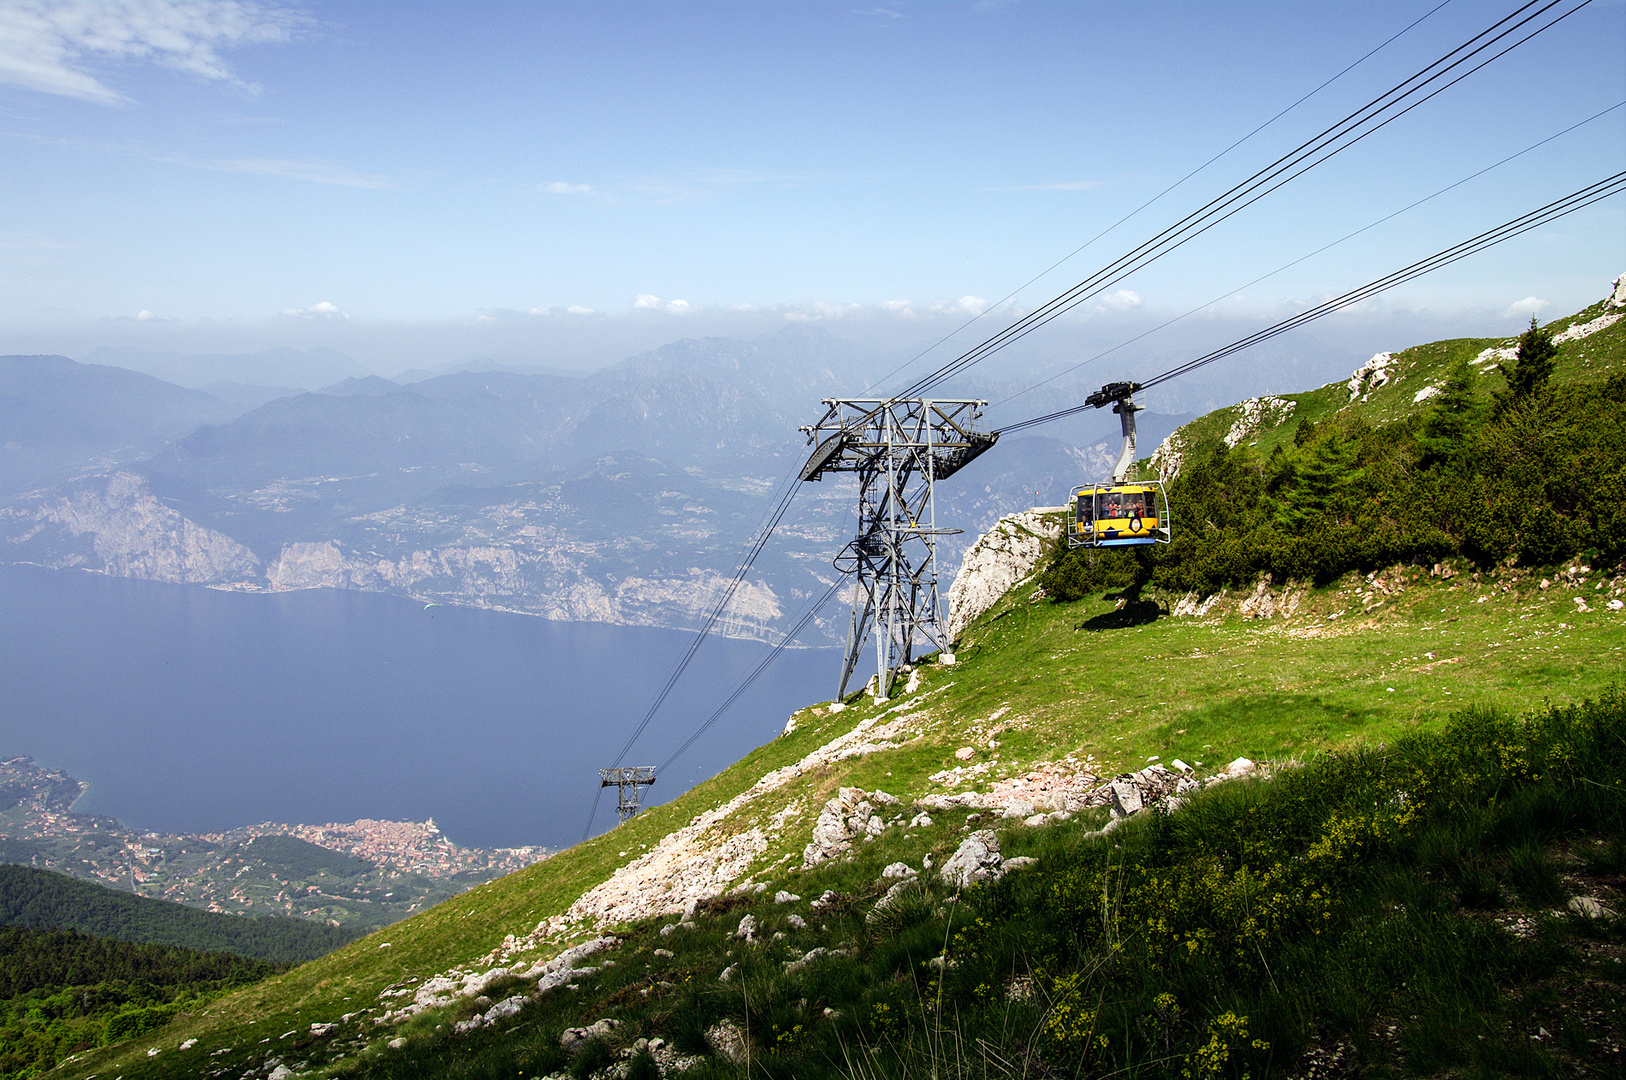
{"x":115,"y":524}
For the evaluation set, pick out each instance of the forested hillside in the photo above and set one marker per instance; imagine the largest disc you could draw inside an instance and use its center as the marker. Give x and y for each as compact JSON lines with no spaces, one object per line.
{"x":42,"y":899}
{"x":1492,"y":451}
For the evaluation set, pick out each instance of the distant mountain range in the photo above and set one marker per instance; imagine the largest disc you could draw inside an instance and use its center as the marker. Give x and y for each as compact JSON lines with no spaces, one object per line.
{"x":622,"y":496}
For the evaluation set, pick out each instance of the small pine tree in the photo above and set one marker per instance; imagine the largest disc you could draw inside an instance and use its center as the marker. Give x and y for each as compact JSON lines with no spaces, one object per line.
{"x":1532,"y":364}
{"x":1454,"y":415}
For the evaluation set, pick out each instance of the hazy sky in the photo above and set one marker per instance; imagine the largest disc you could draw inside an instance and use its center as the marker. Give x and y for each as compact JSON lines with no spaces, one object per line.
{"x":211,"y":174}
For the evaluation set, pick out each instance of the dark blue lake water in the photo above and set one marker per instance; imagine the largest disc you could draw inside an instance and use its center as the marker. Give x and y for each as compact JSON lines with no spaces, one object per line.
{"x":191,"y":710}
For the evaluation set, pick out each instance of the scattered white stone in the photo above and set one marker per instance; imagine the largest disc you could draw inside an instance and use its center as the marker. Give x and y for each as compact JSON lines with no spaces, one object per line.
{"x":977,"y":859}
{"x":506,"y":1008}
{"x":727,"y":1041}
{"x":1181,"y":767}
{"x":397,"y":1043}
{"x":1425,"y":393}
{"x":1255,"y":413}
{"x":965,"y":753}
{"x":783,"y":897}
{"x":838,"y":706}
{"x":1615,"y":605}
{"x":1237,"y":769}
{"x":747,"y":929}
{"x":793,"y":966}
{"x":1020,"y":862}
{"x":323,"y":1030}
{"x":796,"y":922}
{"x":1586,"y":329}
{"x":899,"y":870}
{"x":188,"y":1044}
{"x":574,"y":1037}
{"x":281,"y":1072}
{"x":1589,"y":907}
{"x":922,"y":819}
{"x":1126,"y":798}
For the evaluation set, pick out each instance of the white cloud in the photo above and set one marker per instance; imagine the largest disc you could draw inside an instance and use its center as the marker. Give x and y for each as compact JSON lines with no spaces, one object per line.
{"x":47,"y":45}
{"x":559,"y":187}
{"x":965,"y":305}
{"x":1123,"y":300}
{"x":648,"y":302}
{"x":1526,"y":308}
{"x":143,"y":315}
{"x":879,"y":12}
{"x":322,"y":309}
{"x":577,"y":309}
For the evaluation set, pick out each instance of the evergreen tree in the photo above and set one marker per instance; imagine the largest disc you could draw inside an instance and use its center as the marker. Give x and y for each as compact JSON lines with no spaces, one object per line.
{"x":1454,"y":416}
{"x":1532,"y":364}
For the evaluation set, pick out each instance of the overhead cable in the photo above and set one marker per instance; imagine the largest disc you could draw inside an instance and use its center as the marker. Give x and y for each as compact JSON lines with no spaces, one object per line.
{"x":1592,"y":193}
{"x":1325,"y":247}
{"x":1074,"y":253}
{"x":759,"y":540}
{"x":1376,"y":114}
{"x":762,"y":666}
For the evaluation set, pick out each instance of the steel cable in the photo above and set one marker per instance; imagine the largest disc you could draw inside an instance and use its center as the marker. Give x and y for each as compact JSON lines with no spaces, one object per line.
{"x":1568,"y":204}
{"x":1368,"y":119}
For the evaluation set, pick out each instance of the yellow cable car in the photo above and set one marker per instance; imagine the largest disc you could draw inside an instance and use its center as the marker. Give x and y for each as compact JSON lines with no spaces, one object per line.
{"x":1119,"y":513}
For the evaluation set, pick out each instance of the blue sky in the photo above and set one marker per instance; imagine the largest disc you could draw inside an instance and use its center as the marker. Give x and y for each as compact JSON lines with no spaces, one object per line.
{"x":397,"y":180}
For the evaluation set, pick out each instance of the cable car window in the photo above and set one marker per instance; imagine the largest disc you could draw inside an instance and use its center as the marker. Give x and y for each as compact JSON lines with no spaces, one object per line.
{"x":1085,"y":507}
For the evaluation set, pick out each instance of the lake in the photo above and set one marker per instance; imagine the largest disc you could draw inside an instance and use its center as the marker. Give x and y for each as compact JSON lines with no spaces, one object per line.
{"x":194,"y":710}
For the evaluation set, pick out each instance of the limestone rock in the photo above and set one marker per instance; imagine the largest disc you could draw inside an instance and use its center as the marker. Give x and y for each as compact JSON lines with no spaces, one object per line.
{"x":977,"y":859}
{"x":898,"y":870}
{"x":1003,"y":556}
{"x":748,"y":929}
{"x":1126,"y":798}
{"x":727,"y":1041}
{"x":573,"y":1038}
{"x":783,"y":897}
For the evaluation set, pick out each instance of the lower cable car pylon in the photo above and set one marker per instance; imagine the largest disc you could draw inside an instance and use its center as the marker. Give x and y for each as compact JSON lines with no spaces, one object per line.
{"x":1119,"y":513}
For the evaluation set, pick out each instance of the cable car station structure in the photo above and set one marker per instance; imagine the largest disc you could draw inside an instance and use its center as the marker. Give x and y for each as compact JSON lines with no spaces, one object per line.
{"x":899,"y":447}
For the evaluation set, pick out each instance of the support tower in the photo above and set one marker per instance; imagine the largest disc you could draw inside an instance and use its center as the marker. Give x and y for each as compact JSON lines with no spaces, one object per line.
{"x":629,"y":783}
{"x":899,"y":447}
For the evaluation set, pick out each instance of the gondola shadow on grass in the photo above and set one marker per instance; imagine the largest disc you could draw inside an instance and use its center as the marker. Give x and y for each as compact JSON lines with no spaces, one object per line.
{"x":1133,"y":611}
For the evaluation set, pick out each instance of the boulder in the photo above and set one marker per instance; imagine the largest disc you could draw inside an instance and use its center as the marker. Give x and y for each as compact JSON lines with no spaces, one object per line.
{"x":1126,"y":798}
{"x":977,"y":859}
{"x":747,"y":929}
{"x":899,"y":870}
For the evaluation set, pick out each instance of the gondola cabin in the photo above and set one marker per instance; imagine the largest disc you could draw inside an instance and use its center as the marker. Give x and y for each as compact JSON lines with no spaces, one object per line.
{"x":1118,"y":515}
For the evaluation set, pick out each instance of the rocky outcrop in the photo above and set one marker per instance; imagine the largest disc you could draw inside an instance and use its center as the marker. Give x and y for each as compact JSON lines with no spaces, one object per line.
{"x":1260,"y":412}
{"x":1375,"y":373}
{"x":849,"y":816}
{"x":1005,"y":555}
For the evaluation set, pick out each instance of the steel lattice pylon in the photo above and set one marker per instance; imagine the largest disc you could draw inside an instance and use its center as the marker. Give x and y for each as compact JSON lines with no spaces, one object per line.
{"x":629,"y":783}
{"x":899,"y":447}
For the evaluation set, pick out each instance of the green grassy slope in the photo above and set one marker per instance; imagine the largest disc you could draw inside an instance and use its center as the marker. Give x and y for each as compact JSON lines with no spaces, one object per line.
{"x":1361,"y":662}
{"x":1351,"y":665}
{"x":1585,"y":359}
